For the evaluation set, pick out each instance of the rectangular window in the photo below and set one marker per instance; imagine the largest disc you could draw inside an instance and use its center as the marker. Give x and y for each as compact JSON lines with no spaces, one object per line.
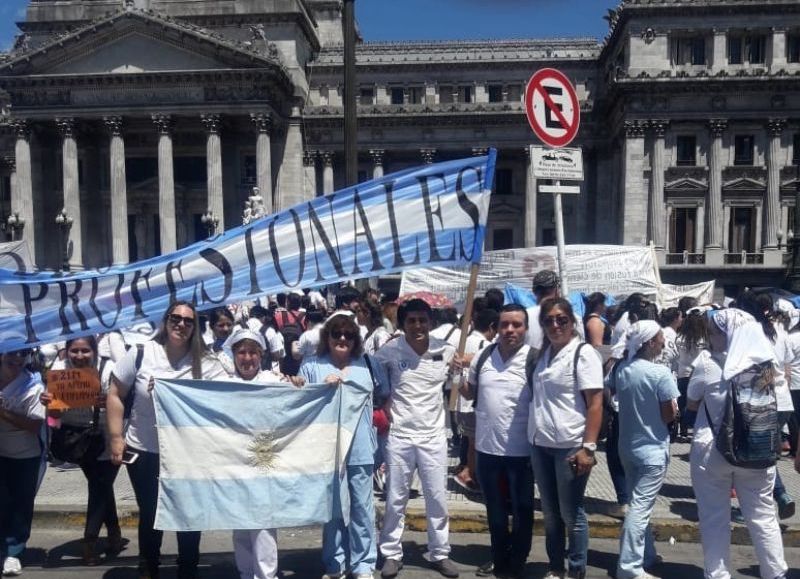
{"x":682,"y":229}
{"x":445,"y":94}
{"x":747,"y":49}
{"x":465,"y":94}
{"x":249,"y":172}
{"x":742,"y":236}
{"x":793,"y":47}
{"x":397,"y":96}
{"x":689,"y":50}
{"x":796,"y":149}
{"x":495,"y":93}
{"x":502,"y":239}
{"x":514,"y":93}
{"x":367,"y":96}
{"x":687,"y":151}
{"x":743,"y":150}
{"x":416,"y":95}
{"x":503,"y":182}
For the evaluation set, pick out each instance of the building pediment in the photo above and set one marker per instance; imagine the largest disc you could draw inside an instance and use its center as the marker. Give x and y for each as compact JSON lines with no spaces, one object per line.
{"x":744,"y":184}
{"x":133,"y":41}
{"x":686,"y":185}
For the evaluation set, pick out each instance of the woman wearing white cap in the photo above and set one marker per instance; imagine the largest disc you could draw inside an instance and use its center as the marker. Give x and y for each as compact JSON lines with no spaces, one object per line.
{"x":647,"y":396}
{"x":737,"y":344}
{"x":255,"y":551}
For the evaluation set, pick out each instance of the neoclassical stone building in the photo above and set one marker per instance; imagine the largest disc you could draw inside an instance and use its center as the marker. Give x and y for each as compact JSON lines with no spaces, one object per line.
{"x":142,"y":117}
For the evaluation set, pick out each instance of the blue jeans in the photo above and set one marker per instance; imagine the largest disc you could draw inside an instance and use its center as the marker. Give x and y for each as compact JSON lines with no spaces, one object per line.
{"x":18,"y":478}
{"x":637,"y":548}
{"x":562,"y":493}
{"x":352,"y":548}
{"x":509,"y":549}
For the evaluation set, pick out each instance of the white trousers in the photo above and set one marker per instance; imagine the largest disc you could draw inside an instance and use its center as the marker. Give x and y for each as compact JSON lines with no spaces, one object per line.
{"x":429,"y":458}
{"x":713,"y":477}
{"x":256,"y":553}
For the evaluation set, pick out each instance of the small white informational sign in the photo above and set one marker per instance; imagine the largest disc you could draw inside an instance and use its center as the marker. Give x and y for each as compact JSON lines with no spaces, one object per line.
{"x":560,"y":164}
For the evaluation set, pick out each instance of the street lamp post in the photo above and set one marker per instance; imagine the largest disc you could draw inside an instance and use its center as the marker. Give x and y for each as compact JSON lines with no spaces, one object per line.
{"x":210,"y":221}
{"x":16,"y":223}
{"x":64,"y":224}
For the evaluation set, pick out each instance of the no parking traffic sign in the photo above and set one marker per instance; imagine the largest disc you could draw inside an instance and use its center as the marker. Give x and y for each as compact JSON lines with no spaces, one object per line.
{"x":552,"y":107}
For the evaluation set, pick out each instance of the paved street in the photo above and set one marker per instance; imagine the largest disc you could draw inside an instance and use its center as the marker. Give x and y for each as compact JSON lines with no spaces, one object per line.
{"x":53,"y":553}
{"x":63,"y":494}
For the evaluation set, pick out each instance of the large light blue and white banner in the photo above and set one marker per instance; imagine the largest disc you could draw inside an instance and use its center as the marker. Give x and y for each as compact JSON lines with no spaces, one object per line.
{"x":238,"y":455}
{"x":431,"y":215}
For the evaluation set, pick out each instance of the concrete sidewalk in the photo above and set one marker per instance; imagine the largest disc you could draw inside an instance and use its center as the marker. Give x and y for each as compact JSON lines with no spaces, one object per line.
{"x":62,"y":499}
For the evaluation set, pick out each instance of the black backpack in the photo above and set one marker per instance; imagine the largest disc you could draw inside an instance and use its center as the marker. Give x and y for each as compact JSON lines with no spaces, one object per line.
{"x":291,"y":328}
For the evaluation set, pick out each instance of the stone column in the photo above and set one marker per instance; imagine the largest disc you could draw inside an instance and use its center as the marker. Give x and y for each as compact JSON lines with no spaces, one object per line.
{"x":719,"y":59}
{"x":11,"y":163}
{"x":714,"y":212}
{"x":634,"y":219}
{"x":377,"y":163}
{"x":166,"y":184}
{"x":699,"y":229}
{"x":290,"y":176}
{"x":119,"y":192}
{"x":530,"y":201}
{"x":214,"y":169}
{"x":327,"y":172}
{"x":71,"y":190}
{"x":310,"y":173}
{"x":657,"y":222}
{"x":428,"y":155}
{"x":778,"y":49}
{"x":772,"y":203}
{"x":263,"y":123}
{"x":22,"y":201}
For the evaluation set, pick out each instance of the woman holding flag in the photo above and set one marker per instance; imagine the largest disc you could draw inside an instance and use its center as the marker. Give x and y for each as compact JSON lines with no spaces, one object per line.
{"x":176,"y":352}
{"x":350,"y":549}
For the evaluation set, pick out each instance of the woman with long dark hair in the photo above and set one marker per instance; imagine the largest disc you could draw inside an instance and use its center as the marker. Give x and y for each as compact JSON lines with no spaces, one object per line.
{"x":176,"y":351}
{"x":100,"y":472}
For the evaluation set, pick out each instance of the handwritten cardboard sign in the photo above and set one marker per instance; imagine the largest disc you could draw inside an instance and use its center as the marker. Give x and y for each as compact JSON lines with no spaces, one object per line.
{"x":73,"y":388}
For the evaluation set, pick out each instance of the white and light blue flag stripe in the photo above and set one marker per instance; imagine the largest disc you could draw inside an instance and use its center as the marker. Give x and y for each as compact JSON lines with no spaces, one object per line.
{"x":239,"y":455}
{"x":426,"y":216}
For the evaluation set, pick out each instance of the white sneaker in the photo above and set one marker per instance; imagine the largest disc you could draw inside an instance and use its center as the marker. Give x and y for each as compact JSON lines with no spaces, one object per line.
{"x":646,"y":575}
{"x":12,"y":567}
{"x":554,"y":575}
{"x":364,"y":576}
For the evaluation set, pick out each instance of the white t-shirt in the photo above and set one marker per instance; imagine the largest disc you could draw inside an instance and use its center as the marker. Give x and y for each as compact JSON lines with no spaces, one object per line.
{"x":475,"y":343}
{"x":141,"y":432}
{"x":501,"y":412}
{"x":535,"y":335}
{"x":111,"y":345}
{"x":793,"y":360}
{"x":706,"y":384}
{"x":21,"y":397}
{"x":376,"y":340}
{"x":273,"y":337}
{"x":416,"y":386}
{"x":783,"y":355}
{"x":557,"y":416}
{"x":450,"y":333}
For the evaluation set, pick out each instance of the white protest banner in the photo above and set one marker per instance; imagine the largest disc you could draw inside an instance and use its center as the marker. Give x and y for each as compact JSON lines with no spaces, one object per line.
{"x":669,"y":294}
{"x":16,"y":256}
{"x":612,"y":269}
{"x":435,"y":214}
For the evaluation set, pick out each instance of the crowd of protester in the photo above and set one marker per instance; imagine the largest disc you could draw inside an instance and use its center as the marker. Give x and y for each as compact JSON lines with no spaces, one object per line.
{"x":537,"y":392}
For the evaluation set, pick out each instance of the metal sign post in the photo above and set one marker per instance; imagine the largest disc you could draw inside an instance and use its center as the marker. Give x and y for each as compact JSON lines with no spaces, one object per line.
{"x":553,"y":111}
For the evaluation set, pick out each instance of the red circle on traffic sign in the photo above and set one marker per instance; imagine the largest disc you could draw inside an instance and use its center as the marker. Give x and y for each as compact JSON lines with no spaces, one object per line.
{"x":551,"y":104}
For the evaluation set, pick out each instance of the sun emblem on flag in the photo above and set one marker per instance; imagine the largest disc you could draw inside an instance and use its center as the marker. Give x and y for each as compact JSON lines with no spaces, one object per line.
{"x":262,"y":451}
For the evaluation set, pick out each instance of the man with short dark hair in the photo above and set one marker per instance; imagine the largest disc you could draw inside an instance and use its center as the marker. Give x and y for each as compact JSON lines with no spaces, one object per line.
{"x":498,"y":382}
{"x":417,"y":365}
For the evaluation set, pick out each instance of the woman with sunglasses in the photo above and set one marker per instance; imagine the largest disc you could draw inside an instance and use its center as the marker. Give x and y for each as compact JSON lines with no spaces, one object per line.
{"x":100,"y":473}
{"x":176,"y":351}
{"x":564,"y":421}
{"x":340,"y":360}
{"x":21,"y":418}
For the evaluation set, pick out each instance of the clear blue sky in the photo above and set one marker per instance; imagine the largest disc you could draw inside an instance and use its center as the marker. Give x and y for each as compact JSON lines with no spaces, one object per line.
{"x":440,"y":19}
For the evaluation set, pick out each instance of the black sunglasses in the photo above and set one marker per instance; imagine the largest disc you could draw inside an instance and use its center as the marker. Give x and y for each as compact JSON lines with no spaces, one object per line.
{"x":175,"y":320}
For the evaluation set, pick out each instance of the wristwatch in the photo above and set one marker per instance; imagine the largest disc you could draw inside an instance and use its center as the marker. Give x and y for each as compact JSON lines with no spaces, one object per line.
{"x":590,"y":446}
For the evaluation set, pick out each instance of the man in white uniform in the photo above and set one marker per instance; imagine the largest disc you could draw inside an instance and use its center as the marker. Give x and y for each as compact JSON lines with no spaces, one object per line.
{"x":417,"y":366}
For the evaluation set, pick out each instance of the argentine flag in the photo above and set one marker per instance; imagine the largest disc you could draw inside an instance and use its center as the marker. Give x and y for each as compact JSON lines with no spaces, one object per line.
{"x":237,"y":455}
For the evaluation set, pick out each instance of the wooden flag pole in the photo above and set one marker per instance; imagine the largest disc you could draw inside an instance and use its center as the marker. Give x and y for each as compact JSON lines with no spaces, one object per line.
{"x":465,"y":322}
